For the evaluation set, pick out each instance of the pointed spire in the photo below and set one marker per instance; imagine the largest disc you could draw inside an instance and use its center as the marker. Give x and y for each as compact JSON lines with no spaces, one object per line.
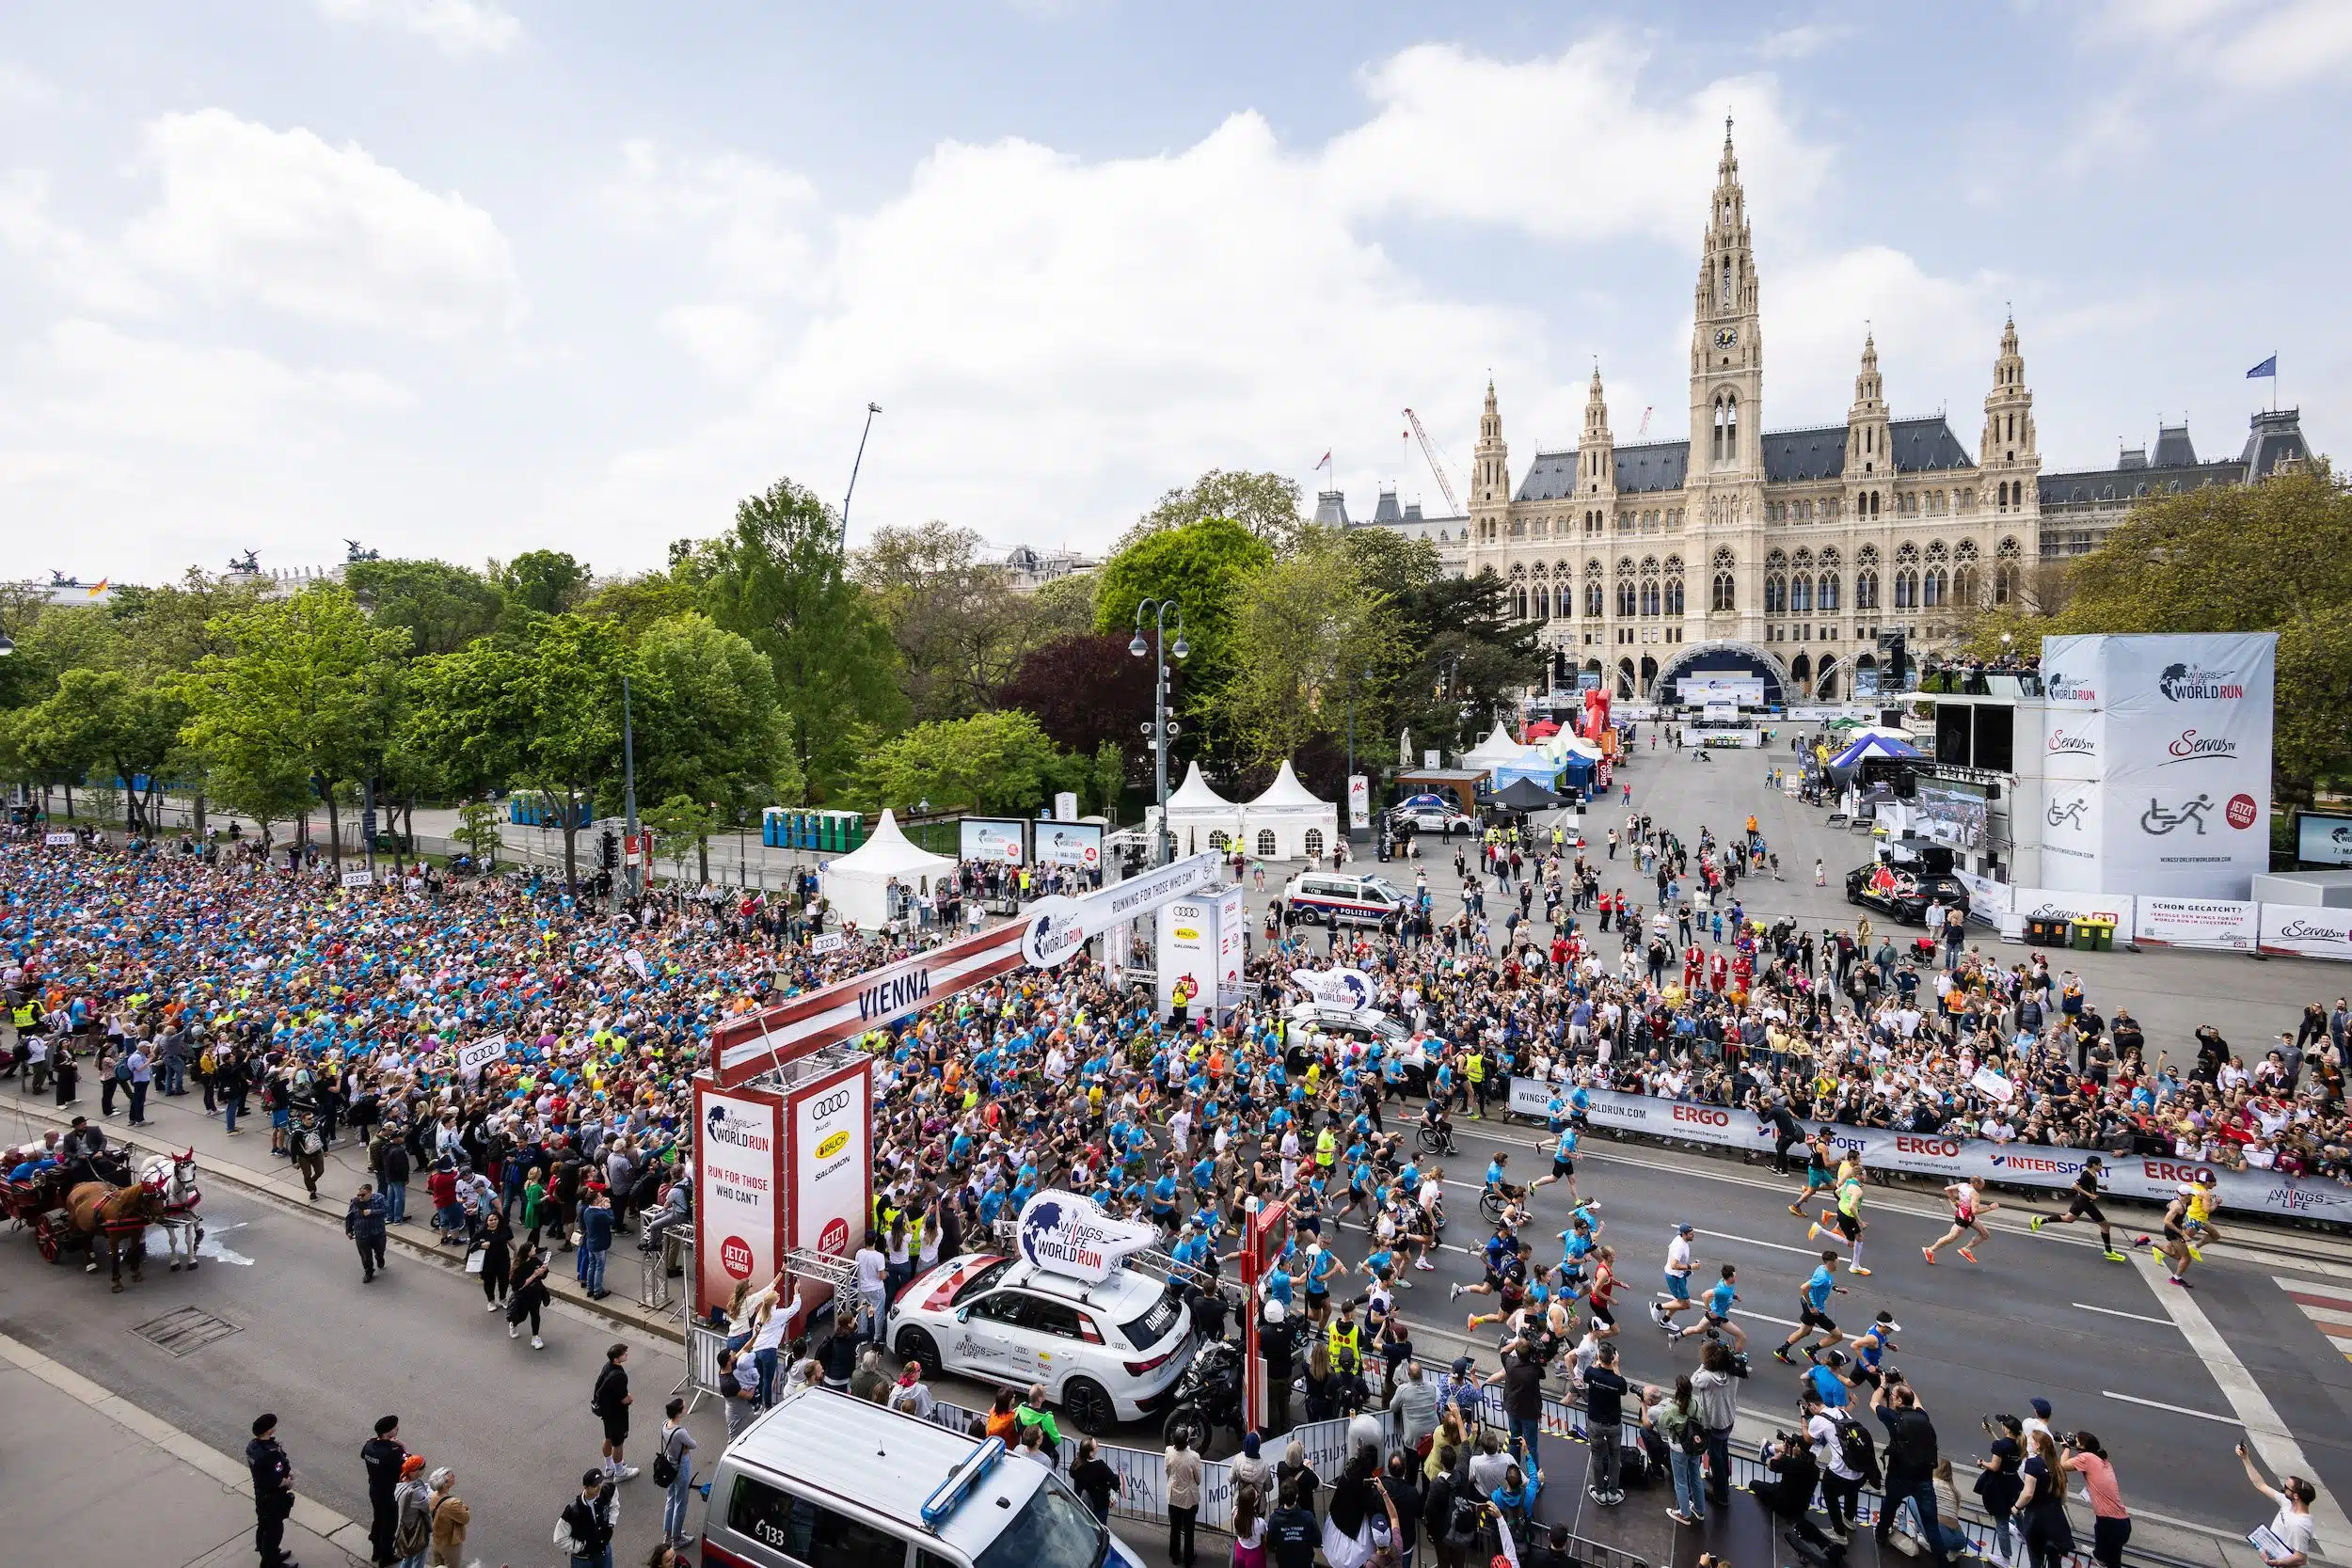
{"x":1596,"y":408}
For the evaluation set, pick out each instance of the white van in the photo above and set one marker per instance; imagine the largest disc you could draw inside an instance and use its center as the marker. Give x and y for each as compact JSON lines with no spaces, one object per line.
{"x":823,"y":1480}
{"x":1314,"y":897}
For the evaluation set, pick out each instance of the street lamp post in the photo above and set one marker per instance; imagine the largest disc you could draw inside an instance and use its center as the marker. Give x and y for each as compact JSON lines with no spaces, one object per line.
{"x":629,"y":792}
{"x":1160,"y":730}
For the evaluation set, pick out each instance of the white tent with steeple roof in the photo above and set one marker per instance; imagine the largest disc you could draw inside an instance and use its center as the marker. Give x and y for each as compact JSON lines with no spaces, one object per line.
{"x":1287,"y":822}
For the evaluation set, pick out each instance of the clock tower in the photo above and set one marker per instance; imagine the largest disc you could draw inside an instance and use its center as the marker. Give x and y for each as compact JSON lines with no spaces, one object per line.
{"x":1727,"y":344}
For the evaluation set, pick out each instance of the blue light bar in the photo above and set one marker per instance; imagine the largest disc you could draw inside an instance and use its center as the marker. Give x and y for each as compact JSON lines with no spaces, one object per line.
{"x":957,"y":1485}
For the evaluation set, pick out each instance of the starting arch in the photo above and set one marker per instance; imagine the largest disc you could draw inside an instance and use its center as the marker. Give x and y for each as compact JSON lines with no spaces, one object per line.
{"x":1746,"y":658}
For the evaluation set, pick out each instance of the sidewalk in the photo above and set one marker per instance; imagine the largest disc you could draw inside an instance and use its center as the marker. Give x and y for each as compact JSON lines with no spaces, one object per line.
{"x":245,"y":1161}
{"x":92,"y":1479}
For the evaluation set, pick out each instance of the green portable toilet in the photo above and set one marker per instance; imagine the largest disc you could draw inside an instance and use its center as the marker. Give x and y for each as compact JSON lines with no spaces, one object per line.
{"x":854,"y":826}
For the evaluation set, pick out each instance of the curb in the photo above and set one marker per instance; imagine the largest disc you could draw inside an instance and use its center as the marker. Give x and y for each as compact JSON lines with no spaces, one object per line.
{"x":661,"y":1325}
{"x":347,"y":1535}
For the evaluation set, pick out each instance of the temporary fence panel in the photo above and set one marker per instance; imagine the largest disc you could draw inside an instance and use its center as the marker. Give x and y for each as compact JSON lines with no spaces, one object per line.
{"x":2155,"y":1177}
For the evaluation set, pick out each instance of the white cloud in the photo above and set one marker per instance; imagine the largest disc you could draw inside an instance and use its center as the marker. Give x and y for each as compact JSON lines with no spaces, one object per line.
{"x":2253,"y":45}
{"x":25,"y":92}
{"x":1563,"y":148}
{"x":100,"y":381}
{"x":458,"y":28}
{"x":323,"y":232}
{"x":753,"y":219}
{"x":1937,"y":336}
{"x":87,"y":271}
{"x":1795,"y":43}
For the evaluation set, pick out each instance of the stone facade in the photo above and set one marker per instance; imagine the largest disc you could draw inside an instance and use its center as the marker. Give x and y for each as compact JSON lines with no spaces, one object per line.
{"x":1793,"y":549}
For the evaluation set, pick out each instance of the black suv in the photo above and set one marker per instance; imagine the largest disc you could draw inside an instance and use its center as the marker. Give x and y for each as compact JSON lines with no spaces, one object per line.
{"x":1902,"y":892}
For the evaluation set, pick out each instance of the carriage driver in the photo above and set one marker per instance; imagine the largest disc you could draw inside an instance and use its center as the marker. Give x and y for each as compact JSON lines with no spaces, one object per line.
{"x":80,"y":1150}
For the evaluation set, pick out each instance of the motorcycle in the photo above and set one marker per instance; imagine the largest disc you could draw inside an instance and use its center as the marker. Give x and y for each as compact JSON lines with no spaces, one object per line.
{"x":1207,"y":1397}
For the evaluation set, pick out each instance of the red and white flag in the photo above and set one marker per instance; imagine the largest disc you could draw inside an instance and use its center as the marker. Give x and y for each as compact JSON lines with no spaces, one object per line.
{"x":1324,"y":464}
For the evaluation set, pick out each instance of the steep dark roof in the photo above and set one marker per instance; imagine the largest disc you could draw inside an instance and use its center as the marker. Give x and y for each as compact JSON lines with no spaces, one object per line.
{"x":1651,"y":466}
{"x":2174,"y":450}
{"x":1927,"y":445}
{"x":2127,"y":482}
{"x":1790,"y":455}
{"x":2275,"y":438}
{"x":1385,"y":510}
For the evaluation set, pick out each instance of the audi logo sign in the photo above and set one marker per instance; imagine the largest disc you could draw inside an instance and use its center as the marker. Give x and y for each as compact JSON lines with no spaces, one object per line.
{"x":829,"y":1105}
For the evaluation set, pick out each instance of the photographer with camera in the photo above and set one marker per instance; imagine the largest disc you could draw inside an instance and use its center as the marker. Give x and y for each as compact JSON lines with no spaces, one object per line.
{"x":2292,"y":1535}
{"x":1848,"y":1458}
{"x":1717,"y":1391}
{"x":2110,"y":1521}
{"x":1910,"y":1462}
{"x":1788,"y":1496}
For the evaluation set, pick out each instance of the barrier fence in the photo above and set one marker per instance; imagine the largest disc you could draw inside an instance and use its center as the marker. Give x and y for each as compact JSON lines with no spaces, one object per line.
{"x":2155,"y":1177}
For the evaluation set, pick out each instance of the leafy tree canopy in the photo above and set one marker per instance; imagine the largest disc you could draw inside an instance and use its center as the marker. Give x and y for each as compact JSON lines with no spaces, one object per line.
{"x":1265,"y":504}
{"x":1000,"y":762}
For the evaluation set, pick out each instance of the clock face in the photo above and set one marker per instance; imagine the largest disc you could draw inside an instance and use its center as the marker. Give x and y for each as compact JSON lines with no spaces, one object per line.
{"x":1725,"y":337}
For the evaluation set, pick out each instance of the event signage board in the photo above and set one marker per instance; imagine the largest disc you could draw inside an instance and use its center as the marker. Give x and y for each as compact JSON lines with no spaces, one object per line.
{"x":1988,"y":900}
{"x":1232,"y":947}
{"x":2306,"y":931}
{"x":2042,"y":903}
{"x":828,"y":942}
{"x":1358,"y":801}
{"x":1066,"y":805}
{"x":57,"y":840}
{"x":2156,"y":1178}
{"x":833,"y":1160}
{"x":359,"y":878}
{"x":1351,"y":988}
{"x":476,"y":1054}
{"x":1075,"y":844}
{"x":983,"y":838}
{"x":2226,"y":923}
{"x":1053,"y":928}
{"x":1187,"y":954}
{"x":1064,"y":1233}
{"x":2321,"y":838}
{"x":738,"y":1190}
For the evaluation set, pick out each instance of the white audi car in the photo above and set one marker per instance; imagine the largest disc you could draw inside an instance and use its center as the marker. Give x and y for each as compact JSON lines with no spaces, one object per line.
{"x":1106,"y":1352}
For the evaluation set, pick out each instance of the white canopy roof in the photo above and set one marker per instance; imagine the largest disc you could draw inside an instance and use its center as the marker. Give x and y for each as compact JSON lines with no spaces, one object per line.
{"x":886,"y":853}
{"x":1287,"y":794}
{"x":1195,"y":796}
{"x":1498,"y":750}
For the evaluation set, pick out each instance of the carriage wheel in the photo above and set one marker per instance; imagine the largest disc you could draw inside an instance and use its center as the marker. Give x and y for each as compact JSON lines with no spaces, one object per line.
{"x":45,"y":1237}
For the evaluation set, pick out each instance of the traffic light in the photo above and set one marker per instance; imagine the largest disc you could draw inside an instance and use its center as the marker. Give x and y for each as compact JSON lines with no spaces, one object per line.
{"x":608,"y":850}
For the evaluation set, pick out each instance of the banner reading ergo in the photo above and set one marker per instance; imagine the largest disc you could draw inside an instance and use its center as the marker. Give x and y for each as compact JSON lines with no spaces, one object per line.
{"x":2155,"y":1177}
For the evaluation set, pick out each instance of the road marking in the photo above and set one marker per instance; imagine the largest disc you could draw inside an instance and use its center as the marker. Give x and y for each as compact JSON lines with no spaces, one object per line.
{"x":1751,"y":1241}
{"x":2136,"y":1317}
{"x":2264,"y":1429}
{"x":1765,"y":1318}
{"x":2176,"y":1409}
{"x":2314,"y":1298}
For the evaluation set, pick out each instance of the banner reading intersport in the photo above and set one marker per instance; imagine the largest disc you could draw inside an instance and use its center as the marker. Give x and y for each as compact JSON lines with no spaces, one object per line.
{"x":1929,"y":1154}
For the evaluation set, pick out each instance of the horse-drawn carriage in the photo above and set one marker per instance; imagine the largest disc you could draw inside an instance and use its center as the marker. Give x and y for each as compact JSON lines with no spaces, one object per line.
{"x":65,"y":1210}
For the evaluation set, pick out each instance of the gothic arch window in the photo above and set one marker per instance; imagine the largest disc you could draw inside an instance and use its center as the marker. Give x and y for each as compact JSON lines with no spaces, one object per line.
{"x":1906,"y":588}
{"x":1652,"y":602}
{"x":1936,"y":552}
{"x":1674,"y":585}
{"x":1906,"y":553}
{"x":1825,"y":678}
{"x":1935,"y":588}
{"x":1964,"y":586}
{"x":1519,"y":528}
{"x":1866,"y":589}
{"x":1775,"y":593}
{"x":1624,"y":679}
{"x":1825,"y":594}
{"x":1519,"y":601}
{"x":1801,"y":594}
{"x":1627,"y":604}
{"x":1866,"y":556}
{"x":1593,"y":597}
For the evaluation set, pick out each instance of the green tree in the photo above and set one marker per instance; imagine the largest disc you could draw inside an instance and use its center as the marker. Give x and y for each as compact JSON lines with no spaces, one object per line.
{"x":1110,"y":777}
{"x":480,"y":829}
{"x":706,"y":717}
{"x":1265,"y":504}
{"x":279,"y":793}
{"x":112,"y":723}
{"x":682,"y":826}
{"x":442,"y":606}
{"x":2275,"y":556}
{"x":959,"y":626}
{"x":306,"y":687}
{"x":778,"y":577}
{"x":545,"y":713}
{"x":1202,"y":566}
{"x":999,"y":762}
{"x":638,"y":602}
{"x":1312,"y":642}
{"x":544,"y":582}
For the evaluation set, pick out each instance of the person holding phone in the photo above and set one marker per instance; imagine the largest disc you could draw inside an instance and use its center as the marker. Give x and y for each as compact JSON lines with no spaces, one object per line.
{"x":2291,"y":1534}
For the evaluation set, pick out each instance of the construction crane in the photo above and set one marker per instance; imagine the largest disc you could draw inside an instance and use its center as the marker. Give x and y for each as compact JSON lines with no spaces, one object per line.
{"x":1429,"y":451}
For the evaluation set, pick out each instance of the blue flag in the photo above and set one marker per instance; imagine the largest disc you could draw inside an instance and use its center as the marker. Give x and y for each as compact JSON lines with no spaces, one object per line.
{"x":2267,"y":368}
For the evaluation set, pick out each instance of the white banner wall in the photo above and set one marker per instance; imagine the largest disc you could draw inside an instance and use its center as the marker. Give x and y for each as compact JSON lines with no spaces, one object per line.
{"x":1232,"y":942}
{"x":2224,"y":924}
{"x":2312,"y":933}
{"x":1187,"y":953}
{"x":2072,"y":819}
{"x":989,"y":839}
{"x":2071,"y":744}
{"x":1928,"y":1154}
{"x":2042,"y":903}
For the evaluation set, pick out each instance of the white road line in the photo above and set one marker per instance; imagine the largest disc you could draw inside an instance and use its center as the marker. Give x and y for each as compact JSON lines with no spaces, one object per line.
{"x":1765,"y":1318}
{"x":1751,"y":1241}
{"x":2176,"y":1409}
{"x":2264,"y":1428}
{"x":2136,"y":1317}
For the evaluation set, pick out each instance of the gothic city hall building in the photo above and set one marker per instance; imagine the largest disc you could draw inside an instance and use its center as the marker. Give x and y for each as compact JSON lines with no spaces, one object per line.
{"x":1779,"y":552}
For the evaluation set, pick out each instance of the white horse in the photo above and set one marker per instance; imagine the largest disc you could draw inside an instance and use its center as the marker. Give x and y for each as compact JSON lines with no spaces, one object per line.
{"x":173,"y":1176}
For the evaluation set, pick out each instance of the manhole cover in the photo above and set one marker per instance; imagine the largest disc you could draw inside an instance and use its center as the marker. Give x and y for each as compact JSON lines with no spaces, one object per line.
{"x":185,"y":1329}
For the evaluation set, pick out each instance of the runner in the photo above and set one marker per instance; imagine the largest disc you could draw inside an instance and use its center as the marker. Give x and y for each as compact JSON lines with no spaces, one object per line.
{"x":2084,"y":1204}
{"x":2203,"y":1201}
{"x":1846,"y":1218}
{"x":1968,"y":1204}
{"x":2175,"y":1248}
{"x":1715,"y":1320}
{"x":1601,"y":1299}
{"x":1813,"y":1311}
{"x":1820,"y":1171}
{"x":1562,"y":1162}
{"x":1676,"y":1300}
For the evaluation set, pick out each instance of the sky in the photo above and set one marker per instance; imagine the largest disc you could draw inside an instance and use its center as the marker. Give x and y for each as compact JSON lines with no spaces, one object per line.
{"x":467,"y":278}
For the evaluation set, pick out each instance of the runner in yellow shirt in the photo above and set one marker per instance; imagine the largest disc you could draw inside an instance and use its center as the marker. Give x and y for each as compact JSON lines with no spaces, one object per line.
{"x":1846,"y":1218}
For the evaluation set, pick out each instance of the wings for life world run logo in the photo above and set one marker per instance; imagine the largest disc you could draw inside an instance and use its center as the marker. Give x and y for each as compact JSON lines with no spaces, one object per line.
{"x":2194,"y":682}
{"x":1051,"y":1234}
{"x":722,"y":1128}
{"x":2067,"y":689}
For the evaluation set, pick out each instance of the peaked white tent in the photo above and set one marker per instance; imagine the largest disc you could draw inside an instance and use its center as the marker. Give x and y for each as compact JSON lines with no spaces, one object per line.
{"x":1497,"y":750}
{"x":1287,"y":822}
{"x":857,"y":884}
{"x":1199,"y":817}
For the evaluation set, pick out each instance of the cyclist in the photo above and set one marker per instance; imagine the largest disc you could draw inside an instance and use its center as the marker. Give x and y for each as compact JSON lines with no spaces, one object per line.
{"x":2083,"y":1203}
{"x":1664,"y":1309}
{"x":1813,"y":1311}
{"x":1968,"y":1205}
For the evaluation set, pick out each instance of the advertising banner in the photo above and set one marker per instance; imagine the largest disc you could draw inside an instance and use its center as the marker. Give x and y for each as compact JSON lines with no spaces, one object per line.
{"x":1066,"y":805}
{"x":2068,"y":676}
{"x":1078,"y":843}
{"x":2042,"y":903}
{"x":1358,"y":801}
{"x":1351,"y":988}
{"x":1053,"y":928}
{"x":2071,"y":818}
{"x":832,"y":1161}
{"x":2323,"y":838}
{"x":1952,"y":811}
{"x":738,"y":1190}
{"x":983,"y":838}
{"x":1064,"y":1233}
{"x":829,"y":941}
{"x":1187,"y":954}
{"x":2306,"y":931}
{"x":2221,"y":923}
{"x":359,"y":878}
{"x":1988,"y":900}
{"x":2155,"y":1179}
{"x":1734,"y":688}
{"x":2072,"y":745}
{"x":1232,"y":945}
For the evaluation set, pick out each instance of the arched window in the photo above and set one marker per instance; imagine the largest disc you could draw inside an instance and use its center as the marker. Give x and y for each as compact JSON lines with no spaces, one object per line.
{"x":1934,"y":588}
{"x":1314,"y":844}
{"x":1219,"y":839}
{"x":1651,"y":601}
{"x":1825,"y":594}
{"x":1265,"y":844}
{"x":1964,"y":586}
{"x":1906,"y":589}
{"x":1775,"y":593}
{"x":1801,"y":594}
{"x":1627,"y":606}
{"x":1674,"y":585}
{"x":1825,"y":678}
{"x":1865,"y":590}
{"x":1726,"y":594}
{"x":1593,"y":597}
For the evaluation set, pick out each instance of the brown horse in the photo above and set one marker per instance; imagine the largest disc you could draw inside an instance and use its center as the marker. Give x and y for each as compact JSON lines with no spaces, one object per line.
{"x":119,"y":1216}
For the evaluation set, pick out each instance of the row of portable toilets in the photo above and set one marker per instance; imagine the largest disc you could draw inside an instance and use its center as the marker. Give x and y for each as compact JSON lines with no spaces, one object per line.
{"x":792,"y":827}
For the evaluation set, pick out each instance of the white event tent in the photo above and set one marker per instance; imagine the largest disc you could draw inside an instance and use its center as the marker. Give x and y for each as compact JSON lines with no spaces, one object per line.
{"x":856,"y":884}
{"x":1199,"y":817}
{"x":1287,"y":823}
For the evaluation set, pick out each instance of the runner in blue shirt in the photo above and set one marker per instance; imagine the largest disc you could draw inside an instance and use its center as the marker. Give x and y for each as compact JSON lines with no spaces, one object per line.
{"x":1715,"y":1316}
{"x":1562,"y":1162}
{"x":1813,"y":1311}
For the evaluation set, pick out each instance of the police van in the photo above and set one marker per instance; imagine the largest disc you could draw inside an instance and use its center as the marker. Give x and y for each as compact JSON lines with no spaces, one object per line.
{"x":1314,"y":897}
{"x":824,"y":1481}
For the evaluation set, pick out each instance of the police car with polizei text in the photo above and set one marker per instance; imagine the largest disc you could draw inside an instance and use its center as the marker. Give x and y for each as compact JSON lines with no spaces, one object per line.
{"x":1065,"y":1309}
